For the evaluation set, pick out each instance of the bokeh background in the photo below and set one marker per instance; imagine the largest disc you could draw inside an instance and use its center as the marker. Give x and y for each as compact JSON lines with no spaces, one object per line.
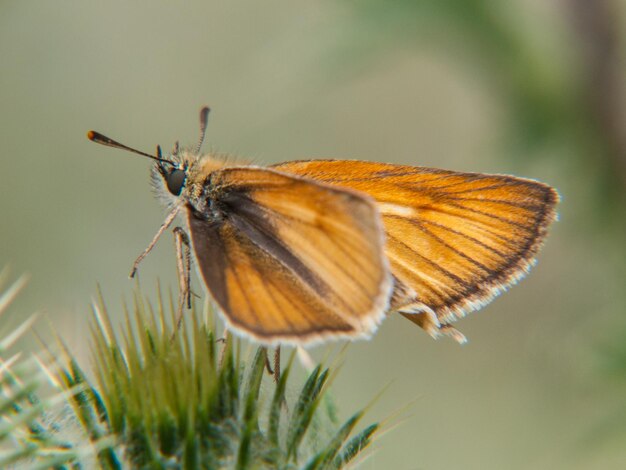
{"x":527,"y":87}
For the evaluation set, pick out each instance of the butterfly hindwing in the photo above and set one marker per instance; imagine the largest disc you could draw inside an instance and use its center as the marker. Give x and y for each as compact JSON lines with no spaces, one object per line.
{"x":289,"y":259}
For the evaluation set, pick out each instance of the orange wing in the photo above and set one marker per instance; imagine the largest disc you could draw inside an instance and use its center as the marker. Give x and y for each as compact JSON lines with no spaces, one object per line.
{"x":289,"y":259}
{"x":454,"y":240}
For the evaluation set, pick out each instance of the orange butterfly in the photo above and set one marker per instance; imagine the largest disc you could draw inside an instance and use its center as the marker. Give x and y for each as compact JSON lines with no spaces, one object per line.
{"x":312,"y":250}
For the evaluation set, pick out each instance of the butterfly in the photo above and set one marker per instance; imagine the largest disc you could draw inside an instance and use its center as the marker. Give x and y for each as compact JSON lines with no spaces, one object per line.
{"x":312,"y":250}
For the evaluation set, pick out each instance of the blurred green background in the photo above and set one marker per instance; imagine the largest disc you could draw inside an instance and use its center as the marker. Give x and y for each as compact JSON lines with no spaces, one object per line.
{"x":527,"y":87}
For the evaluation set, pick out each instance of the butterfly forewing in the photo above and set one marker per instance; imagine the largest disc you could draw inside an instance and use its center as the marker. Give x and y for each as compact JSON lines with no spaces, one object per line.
{"x":454,"y":240}
{"x":291,"y":259}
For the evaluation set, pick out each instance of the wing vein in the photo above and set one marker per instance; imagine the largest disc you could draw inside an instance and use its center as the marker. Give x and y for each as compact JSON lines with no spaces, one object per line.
{"x":521,"y":205}
{"x":451,"y":248}
{"x":468,"y":237}
{"x":430,"y":262}
{"x":492,"y":216}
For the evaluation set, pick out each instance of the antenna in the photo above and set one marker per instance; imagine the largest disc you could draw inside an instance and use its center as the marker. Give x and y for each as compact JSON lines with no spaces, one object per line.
{"x":103,"y":140}
{"x":204,"y":120}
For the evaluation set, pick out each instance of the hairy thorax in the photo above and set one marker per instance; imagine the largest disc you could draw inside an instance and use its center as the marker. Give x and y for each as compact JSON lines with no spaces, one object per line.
{"x":198,"y":192}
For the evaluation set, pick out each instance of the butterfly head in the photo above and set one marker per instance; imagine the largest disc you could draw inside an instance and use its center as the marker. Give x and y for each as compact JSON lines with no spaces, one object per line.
{"x":171,"y":176}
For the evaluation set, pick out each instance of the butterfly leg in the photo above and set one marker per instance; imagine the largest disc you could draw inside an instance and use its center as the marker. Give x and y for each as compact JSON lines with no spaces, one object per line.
{"x":268,"y":366}
{"x":273,"y":371}
{"x":224,"y":341}
{"x":166,"y":223}
{"x":183,"y":263}
{"x":277,"y":364}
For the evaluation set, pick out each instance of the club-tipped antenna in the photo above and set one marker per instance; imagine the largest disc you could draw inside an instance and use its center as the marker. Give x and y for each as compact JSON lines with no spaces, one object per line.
{"x":204,"y":120}
{"x":104,"y":140}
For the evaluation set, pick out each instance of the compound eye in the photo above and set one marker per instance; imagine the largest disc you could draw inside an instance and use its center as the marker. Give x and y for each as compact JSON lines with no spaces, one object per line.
{"x":175,"y":181}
